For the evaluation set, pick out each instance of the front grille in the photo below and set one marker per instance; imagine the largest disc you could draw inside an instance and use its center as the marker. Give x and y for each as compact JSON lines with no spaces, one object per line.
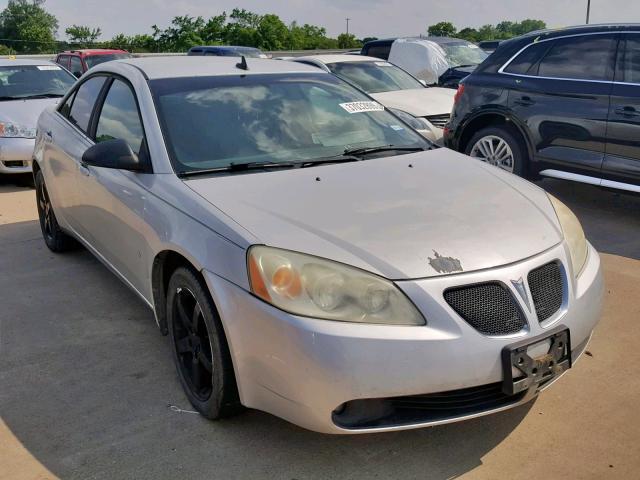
{"x":433,"y":407}
{"x":488,"y":307}
{"x":438,"y":120}
{"x":545,"y":284}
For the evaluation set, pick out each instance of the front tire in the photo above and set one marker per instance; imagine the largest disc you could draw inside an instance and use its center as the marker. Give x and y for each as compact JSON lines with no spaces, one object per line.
{"x":54,"y":237}
{"x":200,"y":349}
{"x":500,"y":146}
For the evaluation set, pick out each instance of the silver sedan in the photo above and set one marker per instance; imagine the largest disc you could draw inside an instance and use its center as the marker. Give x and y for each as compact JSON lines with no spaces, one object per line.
{"x":308,"y":253}
{"x":27,"y":87}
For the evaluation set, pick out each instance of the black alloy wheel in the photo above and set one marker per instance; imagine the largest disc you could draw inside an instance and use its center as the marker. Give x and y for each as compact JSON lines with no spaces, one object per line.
{"x":199,"y":346}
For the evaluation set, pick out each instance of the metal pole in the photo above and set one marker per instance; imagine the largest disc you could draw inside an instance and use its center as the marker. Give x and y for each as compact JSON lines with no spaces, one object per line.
{"x":348,"y":25}
{"x":588,"y":10}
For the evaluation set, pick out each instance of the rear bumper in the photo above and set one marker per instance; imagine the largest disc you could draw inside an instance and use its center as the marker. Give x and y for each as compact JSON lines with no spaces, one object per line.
{"x":303,"y":369}
{"x":16,"y":155}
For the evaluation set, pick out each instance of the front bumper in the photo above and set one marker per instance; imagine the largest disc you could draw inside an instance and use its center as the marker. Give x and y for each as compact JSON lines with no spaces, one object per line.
{"x":303,"y":369}
{"x":16,"y":155}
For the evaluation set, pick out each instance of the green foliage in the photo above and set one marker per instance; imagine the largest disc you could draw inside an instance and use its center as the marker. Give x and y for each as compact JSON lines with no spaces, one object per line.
{"x":83,"y":36}
{"x":368,"y":39}
{"x":502,"y":31}
{"x":28,"y":26}
{"x":442,"y":29}
{"x":348,"y":40}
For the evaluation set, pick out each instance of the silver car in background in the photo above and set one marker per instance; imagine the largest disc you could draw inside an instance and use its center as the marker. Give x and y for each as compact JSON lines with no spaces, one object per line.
{"x":307,"y":252}
{"x":27,"y":87}
{"x":427,"y":109}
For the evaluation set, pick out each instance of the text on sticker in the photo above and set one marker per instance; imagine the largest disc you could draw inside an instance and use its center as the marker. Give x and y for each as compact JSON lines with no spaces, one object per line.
{"x":358,"y":107}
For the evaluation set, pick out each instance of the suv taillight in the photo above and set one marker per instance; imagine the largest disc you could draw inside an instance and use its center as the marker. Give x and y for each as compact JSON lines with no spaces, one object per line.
{"x":458,"y":93}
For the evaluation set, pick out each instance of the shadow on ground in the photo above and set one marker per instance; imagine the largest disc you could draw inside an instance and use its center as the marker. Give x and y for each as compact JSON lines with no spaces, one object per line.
{"x":611,"y":220}
{"x":87,"y":385}
{"x":87,"y":382}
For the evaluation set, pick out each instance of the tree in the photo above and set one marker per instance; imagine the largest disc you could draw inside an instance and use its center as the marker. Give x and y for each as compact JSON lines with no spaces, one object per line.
{"x":469,"y":34}
{"x":529,"y":25}
{"x":82,"y":35}
{"x":272,"y":33}
{"x":183,"y":33}
{"x":442,"y":29}
{"x":348,"y":40}
{"x":29,"y":26}
{"x":368,"y":39}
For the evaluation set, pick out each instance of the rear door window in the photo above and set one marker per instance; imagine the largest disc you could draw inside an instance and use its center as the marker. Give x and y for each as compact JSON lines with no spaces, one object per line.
{"x":84,"y":101}
{"x":588,"y":57}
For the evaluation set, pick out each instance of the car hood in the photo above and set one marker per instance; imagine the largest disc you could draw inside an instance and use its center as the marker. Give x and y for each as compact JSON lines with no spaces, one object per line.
{"x":25,"y":112}
{"x":405,"y":217}
{"x":419,"y":102}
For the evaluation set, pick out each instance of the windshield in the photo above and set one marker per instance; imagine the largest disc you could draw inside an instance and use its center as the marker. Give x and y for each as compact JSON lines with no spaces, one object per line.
{"x":214,"y":122}
{"x":93,"y":60}
{"x":375,"y":77}
{"x":463,"y":53}
{"x":22,"y":81}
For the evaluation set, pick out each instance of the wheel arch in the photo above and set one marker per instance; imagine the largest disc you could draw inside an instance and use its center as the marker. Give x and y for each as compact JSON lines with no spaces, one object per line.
{"x":494,"y":117}
{"x":164,"y":264}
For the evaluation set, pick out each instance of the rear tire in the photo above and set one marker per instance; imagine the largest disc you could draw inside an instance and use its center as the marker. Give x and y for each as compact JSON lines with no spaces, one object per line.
{"x":54,"y":237}
{"x":199,"y":346}
{"x":500,"y":146}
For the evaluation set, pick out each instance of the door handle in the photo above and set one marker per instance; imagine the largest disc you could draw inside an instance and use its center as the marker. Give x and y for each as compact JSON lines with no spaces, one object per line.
{"x":524,"y":101}
{"x":627,"y":111}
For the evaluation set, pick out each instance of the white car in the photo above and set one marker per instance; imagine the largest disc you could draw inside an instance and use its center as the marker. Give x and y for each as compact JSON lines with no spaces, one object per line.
{"x":426,"y":109}
{"x":27,"y":87}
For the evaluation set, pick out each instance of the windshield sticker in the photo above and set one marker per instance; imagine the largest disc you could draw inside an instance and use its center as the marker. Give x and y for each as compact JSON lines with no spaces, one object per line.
{"x":383,"y":64}
{"x":397,"y":128}
{"x":48,"y":67}
{"x":359,"y":107}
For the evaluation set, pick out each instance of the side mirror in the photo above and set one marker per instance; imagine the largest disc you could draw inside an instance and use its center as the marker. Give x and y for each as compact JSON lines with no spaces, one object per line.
{"x":115,"y":154}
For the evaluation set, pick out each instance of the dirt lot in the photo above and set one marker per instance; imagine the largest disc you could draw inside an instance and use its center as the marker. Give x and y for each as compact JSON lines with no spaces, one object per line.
{"x":88,"y":389}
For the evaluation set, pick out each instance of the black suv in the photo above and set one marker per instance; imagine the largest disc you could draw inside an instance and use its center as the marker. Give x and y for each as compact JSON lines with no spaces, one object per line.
{"x":558,"y":103}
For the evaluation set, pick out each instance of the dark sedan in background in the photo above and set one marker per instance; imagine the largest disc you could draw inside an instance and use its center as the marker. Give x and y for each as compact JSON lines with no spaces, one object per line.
{"x":559,"y":103}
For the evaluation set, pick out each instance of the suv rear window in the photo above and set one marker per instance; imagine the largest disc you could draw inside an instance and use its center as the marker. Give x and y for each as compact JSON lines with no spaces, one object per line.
{"x":589,"y":57}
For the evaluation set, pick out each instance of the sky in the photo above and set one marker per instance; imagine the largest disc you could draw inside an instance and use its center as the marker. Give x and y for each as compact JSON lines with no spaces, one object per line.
{"x":379,"y":18}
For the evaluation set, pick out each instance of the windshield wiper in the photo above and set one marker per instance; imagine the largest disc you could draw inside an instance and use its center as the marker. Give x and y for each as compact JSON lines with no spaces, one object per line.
{"x":239,"y":167}
{"x":332,"y":159}
{"x":35,"y":95}
{"x":382,"y":148}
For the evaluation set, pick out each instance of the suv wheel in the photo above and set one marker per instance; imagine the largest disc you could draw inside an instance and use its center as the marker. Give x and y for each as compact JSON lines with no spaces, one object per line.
{"x":499,"y":146}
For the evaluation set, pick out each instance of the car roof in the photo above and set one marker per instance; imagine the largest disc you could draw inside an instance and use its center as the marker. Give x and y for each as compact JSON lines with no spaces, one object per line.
{"x":195,"y":66}
{"x":582,"y":29}
{"x":24,"y":62}
{"x":340,"y":58}
{"x":224,"y":47}
{"x":93,"y":51}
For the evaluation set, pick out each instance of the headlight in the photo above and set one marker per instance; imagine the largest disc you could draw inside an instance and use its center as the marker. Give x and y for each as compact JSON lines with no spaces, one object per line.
{"x":573,"y":234}
{"x":313,"y":287}
{"x":415,"y":122}
{"x":8,"y":129}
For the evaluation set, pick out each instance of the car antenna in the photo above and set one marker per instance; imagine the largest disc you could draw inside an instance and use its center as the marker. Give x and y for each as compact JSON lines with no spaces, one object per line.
{"x":243,"y":64}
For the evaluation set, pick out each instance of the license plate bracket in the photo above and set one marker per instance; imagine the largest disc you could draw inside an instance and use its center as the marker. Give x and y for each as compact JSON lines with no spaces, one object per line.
{"x":534,"y":371}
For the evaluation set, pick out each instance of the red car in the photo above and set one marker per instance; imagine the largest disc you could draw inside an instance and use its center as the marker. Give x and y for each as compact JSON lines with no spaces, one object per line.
{"x":79,"y":61}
